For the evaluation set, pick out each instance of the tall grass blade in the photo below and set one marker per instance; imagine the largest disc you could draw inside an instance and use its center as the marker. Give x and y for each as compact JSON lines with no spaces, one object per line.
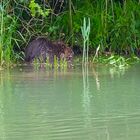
{"x":85,"y":34}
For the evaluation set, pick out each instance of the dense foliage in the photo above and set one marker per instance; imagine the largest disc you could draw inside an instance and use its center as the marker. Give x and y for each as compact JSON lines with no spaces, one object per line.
{"x":115,"y":25}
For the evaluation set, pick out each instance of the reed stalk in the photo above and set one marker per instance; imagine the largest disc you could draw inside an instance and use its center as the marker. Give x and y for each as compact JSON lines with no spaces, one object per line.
{"x":85,"y":34}
{"x":8,"y":24}
{"x":1,"y":33}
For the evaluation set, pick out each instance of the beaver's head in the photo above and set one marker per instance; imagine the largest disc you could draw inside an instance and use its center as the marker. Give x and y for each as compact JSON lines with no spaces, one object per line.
{"x":65,"y":52}
{"x":67,"y":55}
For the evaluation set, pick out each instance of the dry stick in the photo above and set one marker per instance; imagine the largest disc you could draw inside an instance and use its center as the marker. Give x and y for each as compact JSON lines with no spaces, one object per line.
{"x":96,"y":54}
{"x":55,"y":4}
{"x":62,"y":2}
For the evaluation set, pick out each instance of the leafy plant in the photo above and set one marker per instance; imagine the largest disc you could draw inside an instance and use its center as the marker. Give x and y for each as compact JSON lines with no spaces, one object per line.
{"x":36,"y":9}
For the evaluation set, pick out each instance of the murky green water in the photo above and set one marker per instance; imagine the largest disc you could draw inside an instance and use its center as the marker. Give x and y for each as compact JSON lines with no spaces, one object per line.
{"x":69,"y":105}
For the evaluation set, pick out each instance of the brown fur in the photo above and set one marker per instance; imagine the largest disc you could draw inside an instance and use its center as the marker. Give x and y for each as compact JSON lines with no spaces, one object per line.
{"x":41,"y":48}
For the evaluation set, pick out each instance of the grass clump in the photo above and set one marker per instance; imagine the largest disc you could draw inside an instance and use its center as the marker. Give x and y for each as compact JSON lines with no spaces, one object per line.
{"x":117,"y":61}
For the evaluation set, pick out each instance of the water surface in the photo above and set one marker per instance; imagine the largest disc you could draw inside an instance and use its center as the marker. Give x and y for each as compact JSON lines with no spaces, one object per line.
{"x":98,"y":103}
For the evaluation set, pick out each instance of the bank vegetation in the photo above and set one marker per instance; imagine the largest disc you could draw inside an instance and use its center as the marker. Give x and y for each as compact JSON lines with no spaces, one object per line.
{"x":114,"y":26}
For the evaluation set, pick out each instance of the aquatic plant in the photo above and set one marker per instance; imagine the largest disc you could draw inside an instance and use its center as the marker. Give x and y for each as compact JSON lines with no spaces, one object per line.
{"x":85,"y":34}
{"x":117,"y":61}
{"x":63,"y":63}
{"x":58,"y":63}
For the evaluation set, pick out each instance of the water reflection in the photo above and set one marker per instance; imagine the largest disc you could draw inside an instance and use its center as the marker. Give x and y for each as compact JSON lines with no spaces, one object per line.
{"x":86,"y":104}
{"x":116,"y":71}
{"x":86,"y":99}
{"x":86,"y":92}
{"x":2,"y":111}
{"x":96,"y":76}
{"x":2,"y":127}
{"x":89,"y":120}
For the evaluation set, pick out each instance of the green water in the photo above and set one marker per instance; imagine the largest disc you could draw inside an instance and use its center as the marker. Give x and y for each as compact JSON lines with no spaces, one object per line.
{"x":102,"y":103}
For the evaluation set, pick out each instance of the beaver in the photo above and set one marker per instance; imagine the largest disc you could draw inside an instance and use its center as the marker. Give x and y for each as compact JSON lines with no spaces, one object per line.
{"x":42,"y":49}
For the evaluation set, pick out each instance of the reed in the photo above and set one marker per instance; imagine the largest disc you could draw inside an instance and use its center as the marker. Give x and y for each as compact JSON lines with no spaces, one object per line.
{"x":57,"y":63}
{"x":85,"y":34}
{"x":1,"y":33}
{"x":8,"y":26}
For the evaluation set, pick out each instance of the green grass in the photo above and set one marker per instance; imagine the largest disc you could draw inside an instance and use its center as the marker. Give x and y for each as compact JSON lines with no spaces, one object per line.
{"x":57,"y":64}
{"x":8,"y":27}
